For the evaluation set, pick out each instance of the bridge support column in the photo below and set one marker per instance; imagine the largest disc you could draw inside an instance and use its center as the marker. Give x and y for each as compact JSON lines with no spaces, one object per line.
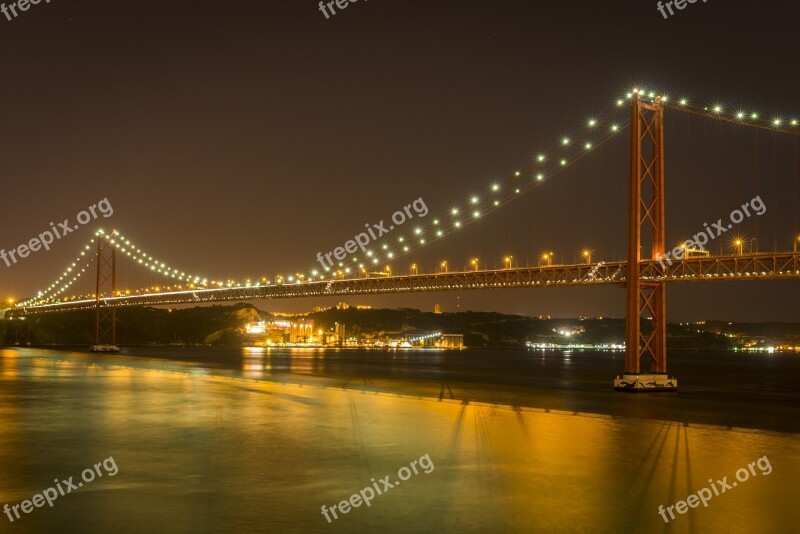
{"x":646,"y":317}
{"x":105,"y":332}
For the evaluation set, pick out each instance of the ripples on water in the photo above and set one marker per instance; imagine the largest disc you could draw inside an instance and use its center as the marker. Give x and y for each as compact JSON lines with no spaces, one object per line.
{"x":231,"y":440}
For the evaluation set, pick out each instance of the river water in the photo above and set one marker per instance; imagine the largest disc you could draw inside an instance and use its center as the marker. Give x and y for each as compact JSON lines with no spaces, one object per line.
{"x":256,"y":440}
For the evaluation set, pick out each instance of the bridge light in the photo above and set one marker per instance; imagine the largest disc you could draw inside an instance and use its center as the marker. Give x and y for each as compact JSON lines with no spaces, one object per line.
{"x":474,"y":200}
{"x":540,"y":158}
{"x":592,"y":123}
{"x":565,"y":141}
{"x":540,"y":177}
{"x":563,"y":162}
{"x":496,"y":187}
{"x":614,"y":128}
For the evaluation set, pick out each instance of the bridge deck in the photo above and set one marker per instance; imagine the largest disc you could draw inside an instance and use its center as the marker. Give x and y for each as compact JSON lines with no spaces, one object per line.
{"x":697,"y":269}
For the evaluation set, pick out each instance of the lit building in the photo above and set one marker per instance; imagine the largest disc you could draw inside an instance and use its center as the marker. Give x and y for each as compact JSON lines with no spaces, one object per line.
{"x":340,"y":333}
{"x":451,"y":341}
{"x":256,"y":328}
{"x":301,"y":331}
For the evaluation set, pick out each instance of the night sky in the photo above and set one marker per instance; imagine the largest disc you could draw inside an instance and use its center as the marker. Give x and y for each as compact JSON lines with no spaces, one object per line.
{"x":238,"y":139}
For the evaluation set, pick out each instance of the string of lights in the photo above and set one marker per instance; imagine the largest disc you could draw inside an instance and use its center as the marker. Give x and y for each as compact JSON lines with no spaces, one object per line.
{"x":74,"y":271}
{"x":718,"y":110}
{"x":570,"y":148}
{"x":71,"y":274}
{"x":546,"y":164}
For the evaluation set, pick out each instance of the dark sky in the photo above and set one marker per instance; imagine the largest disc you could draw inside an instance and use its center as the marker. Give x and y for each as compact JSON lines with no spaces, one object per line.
{"x":238,"y":139}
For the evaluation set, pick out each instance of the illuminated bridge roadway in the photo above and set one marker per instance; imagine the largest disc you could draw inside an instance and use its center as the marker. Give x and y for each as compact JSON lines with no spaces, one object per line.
{"x":758,"y":266}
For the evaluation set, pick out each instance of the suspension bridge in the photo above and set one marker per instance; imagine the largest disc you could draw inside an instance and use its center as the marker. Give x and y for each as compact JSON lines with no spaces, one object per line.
{"x":112,"y":272}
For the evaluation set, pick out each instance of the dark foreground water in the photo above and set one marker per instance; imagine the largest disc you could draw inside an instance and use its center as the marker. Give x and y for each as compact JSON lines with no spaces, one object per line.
{"x":249,"y":440}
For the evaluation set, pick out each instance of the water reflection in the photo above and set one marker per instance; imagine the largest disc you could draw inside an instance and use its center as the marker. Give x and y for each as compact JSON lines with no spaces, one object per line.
{"x":208,"y":449}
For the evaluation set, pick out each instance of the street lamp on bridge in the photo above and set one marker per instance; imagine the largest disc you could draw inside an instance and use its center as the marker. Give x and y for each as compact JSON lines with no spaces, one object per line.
{"x":548,"y":258}
{"x":796,"y":241}
{"x":474,"y":264}
{"x":587,"y":255}
{"x":444,"y":266}
{"x":739,"y":244}
{"x":413,"y":268}
{"x":507,"y":261}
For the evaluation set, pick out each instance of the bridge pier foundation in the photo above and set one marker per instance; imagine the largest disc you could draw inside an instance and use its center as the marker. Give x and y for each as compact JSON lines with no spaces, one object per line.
{"x":644,"y":383}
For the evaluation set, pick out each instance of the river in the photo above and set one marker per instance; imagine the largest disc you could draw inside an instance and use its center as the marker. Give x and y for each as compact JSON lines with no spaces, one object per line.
{"x":256,"y":440}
